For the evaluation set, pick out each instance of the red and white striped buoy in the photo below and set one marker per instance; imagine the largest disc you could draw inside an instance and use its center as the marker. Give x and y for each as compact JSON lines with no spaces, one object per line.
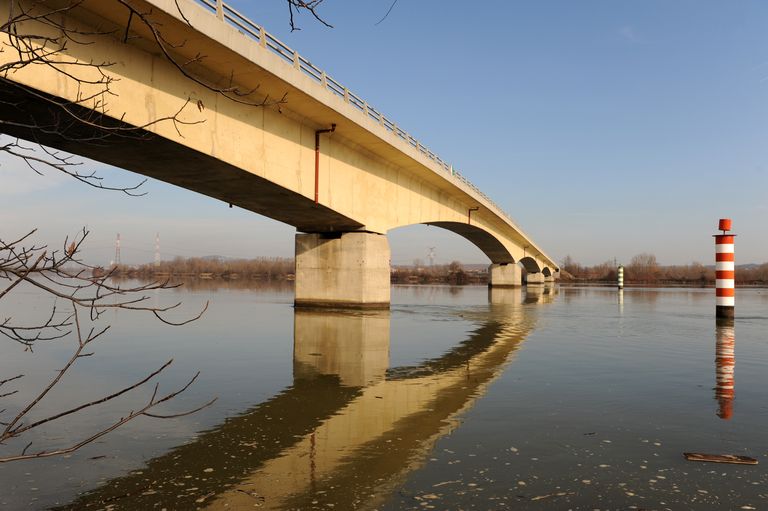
{"x":724,"y":271}
{"x":725,"y":363}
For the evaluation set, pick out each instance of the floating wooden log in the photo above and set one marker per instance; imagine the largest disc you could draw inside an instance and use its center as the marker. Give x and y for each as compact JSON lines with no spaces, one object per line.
{"x":720,"y":458}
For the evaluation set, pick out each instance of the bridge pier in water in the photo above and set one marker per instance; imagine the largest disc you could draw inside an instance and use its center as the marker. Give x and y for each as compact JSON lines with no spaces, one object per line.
{"x":505,"y":275}
{"x":342,"y":270}
{"x":535,"y":278}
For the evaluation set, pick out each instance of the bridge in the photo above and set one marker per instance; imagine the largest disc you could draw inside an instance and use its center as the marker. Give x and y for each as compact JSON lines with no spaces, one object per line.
{"x":196,"y":95}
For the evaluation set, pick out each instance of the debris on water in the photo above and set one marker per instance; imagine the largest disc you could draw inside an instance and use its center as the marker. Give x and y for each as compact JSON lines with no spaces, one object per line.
{"x":720,"y":458}
{"x":550,"y":495}
{"x":446,"y":482}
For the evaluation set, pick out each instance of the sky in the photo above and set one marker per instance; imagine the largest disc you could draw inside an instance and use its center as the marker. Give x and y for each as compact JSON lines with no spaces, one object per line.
{"x":604,"y":128}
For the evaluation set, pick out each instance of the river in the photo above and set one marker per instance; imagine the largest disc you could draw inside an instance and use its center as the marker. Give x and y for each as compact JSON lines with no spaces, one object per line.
{"x":457,"y":398}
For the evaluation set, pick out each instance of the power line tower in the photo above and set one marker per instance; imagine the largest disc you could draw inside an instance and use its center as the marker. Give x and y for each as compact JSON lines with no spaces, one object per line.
{"x":116,"y":262}
{"x":431,"y":256}
{"x":157,"y":250}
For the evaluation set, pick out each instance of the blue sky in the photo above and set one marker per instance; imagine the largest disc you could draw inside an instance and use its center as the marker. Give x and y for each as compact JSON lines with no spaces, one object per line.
{"x":604,"y":128}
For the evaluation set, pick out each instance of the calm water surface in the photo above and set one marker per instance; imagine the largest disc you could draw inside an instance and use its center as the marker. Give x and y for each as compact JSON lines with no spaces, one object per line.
{"x":556,"y":398}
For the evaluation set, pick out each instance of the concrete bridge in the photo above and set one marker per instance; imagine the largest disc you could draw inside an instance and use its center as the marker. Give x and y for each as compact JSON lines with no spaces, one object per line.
{"x":322,"y":159}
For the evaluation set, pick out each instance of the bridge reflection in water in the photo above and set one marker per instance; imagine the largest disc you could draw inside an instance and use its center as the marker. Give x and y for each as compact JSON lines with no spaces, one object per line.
{"x":346,"y":432}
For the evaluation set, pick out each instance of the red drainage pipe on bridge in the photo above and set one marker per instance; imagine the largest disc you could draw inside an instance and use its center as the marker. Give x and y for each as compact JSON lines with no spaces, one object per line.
{"x":317,"y":158}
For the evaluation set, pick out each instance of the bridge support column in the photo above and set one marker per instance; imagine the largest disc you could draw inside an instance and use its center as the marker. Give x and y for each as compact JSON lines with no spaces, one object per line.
{"x":534,"y":278}
{"x":549,"y":278}
{"x":342,"y":270}
{"x":505,"y":275}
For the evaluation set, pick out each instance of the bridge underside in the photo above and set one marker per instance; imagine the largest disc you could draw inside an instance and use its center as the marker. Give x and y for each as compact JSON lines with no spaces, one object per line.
{"x":484,"y":240}
{"x":157,"y":157}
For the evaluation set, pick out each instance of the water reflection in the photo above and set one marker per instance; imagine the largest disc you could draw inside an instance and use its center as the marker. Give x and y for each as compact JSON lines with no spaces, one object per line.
{"x":540,"y":293}
{"x":345,"y":432}
{"x":725,"y":363}
{"x":505,"y":296}
{"x":352,"y":346}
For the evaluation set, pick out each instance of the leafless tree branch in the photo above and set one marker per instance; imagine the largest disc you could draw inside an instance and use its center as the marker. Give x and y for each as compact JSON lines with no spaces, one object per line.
{"x":61,"y":274}
{"x":311,"y":6}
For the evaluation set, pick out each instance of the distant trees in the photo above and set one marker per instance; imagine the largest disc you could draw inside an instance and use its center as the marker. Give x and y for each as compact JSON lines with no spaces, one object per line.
{"x":645,"y":269}
{"x":453,"y":273}
{"x":262,"y":268}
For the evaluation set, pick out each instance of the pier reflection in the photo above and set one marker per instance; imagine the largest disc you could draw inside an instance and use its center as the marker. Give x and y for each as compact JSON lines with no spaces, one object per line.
{"x":725,"y":364}
{"x":541,"y":293}
{"x":346,"y":431}
{"x":352,"y":346}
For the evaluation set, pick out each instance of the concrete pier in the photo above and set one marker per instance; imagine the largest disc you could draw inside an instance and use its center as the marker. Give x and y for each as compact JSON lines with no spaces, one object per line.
{"x":505,"y":275}
{"x":534,"y":278}
{"x":342,"y":270}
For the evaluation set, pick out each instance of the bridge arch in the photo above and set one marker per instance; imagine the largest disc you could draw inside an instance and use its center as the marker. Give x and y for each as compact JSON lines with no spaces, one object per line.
{"x":530,"y":264}
{"x":482,"y":239}
{"x":546,"y":271}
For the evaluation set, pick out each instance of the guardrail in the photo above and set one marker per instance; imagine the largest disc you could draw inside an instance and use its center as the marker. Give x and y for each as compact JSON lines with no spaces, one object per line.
{"x":229,"y":15}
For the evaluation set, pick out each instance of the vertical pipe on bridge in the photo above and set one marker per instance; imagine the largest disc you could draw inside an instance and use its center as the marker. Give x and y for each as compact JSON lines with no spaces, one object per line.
{"x":317,"y":159}
{"x":469,"y":214}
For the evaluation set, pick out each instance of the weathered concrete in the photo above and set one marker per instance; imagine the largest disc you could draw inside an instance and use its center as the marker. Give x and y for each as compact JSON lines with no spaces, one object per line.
{"x":348,"y":270}
{"x":505,"y":275}
{"x":549,"y":278}
{"x":534,"y":278}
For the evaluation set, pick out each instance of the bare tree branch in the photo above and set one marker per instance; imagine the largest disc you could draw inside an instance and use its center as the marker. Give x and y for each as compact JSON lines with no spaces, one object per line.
{"x":310,"y":6}
{"x":62,"y":275}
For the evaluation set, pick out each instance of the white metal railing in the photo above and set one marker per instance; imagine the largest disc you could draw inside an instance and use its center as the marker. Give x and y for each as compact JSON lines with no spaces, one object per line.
{"x":272,"y":44}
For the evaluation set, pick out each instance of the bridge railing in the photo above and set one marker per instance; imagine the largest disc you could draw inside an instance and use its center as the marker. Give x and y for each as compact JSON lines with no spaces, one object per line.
{"x":229,"y":15}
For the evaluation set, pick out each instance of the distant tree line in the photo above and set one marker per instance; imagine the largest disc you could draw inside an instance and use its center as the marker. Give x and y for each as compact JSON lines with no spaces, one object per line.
{"x":452,"y":273}
{"x":645,"y":269}
{"x":263,"y":268}
{"x":278,"y":268}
